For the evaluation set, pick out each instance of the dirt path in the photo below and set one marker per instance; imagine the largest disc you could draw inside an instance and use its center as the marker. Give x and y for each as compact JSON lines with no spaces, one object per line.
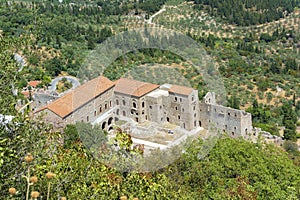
{"x":149,"y":21}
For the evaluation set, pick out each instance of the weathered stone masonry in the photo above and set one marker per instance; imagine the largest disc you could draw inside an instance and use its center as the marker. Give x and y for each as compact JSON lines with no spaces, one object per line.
{"x":103,"y":101}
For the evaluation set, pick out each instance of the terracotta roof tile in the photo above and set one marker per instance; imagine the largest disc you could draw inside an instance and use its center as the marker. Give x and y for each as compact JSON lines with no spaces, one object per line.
{"x":27,"y":94}
{"x":81,"y":95}
{"x":181,"y":90}
{"x":133,"y":87}
{"x":33,"y":83}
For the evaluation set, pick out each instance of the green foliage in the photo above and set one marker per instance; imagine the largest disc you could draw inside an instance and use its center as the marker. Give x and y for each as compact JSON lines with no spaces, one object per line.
{"x":289,"y":121}
{"x":10,"y":77}
{"x":236,"y":169}
{"x":271,"y":128}
{"x":234,"y":102}
{"x":70,"y":136}
{"x":244,"y":13}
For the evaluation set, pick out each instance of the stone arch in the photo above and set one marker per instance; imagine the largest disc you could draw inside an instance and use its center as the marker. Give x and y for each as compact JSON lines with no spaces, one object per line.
{"x":110,"y":128}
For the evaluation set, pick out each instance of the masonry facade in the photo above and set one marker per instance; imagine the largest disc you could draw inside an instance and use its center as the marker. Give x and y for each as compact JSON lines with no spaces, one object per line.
{"x":232,"y":121}
{"x":103,"y":102}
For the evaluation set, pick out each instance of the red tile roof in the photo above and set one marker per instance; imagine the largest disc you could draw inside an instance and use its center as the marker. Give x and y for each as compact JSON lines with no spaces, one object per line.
{"x":133,"y":87}
{"x":78,"y":97}
{"x":27,"y":94}
{"x":33,"y":83}
{"x":181,"y":90}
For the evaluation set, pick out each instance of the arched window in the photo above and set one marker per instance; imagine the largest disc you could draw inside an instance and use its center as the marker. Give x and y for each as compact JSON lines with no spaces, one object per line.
{"x":134,"y":104}
{"x":118,"y":111}
{"x":124,"y":103}
{"x":103,"y":125}
{"x":143,"y":104}
{"x":124,"y":113}
{"x":110,"y":121}
{"x":117,"y":102}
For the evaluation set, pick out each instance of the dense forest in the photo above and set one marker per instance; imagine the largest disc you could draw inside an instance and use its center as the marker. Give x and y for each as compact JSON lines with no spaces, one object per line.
{"x":55,"y":38}
{"x":248,"y":12}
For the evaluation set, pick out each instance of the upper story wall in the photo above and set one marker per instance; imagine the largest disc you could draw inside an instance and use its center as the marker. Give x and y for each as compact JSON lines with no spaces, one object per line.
{"x":182,"y":110}
{"x":130,"y":106}
{"x":91,"y":110}
{"x":88,"y":112}
{"x":235,"y":122}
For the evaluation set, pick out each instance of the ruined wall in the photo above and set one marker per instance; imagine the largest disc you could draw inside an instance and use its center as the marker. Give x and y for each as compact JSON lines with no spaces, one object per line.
{"x":181,"y":110}
{"x":232,"y":121}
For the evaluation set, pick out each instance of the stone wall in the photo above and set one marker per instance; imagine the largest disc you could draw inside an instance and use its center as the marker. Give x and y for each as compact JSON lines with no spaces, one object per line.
{"x":181,"y":110}
{"x":52,"y":118}
{"x":237,"y":123}
{"x":88,"y":112}
{"x":131,"y":107}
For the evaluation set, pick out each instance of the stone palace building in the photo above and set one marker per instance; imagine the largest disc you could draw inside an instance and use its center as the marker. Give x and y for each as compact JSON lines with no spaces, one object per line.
{"x":104,"y":102}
